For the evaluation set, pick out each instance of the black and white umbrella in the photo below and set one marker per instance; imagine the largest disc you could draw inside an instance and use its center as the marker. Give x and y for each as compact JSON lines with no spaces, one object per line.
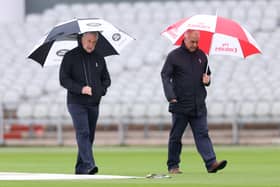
{"x":63,"y":37}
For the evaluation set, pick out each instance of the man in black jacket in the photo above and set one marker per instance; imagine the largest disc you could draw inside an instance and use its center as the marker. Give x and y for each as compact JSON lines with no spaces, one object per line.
{"x":185,"y":75}
{"x":85,"y":76}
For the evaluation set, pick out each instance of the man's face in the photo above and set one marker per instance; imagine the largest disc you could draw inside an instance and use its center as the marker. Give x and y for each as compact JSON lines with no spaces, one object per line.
{"x":191,"y":40}
{"x":89,"y":41}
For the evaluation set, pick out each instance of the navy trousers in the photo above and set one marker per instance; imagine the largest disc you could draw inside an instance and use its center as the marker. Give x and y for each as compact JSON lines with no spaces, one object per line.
{"x":84,"y":120}
{"x":202,"y":140}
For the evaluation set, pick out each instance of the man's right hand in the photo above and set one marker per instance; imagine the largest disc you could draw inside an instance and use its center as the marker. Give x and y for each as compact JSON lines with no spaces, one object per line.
{"x":87,"y":90}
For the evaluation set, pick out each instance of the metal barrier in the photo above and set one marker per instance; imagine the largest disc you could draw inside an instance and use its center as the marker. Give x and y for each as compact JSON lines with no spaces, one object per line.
{"x":123,"y":116}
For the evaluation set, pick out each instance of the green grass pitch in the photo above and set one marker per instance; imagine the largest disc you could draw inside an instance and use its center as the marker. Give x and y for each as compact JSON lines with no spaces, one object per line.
{"x":247,"y":167}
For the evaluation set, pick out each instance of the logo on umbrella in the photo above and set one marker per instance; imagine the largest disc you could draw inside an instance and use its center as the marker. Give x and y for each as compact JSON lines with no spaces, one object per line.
{"x":226,"y":48}
{"x":116,"y":36}
{"x":198,"y":26}
{"x":94,"y":24}
{"x":61,"y":52}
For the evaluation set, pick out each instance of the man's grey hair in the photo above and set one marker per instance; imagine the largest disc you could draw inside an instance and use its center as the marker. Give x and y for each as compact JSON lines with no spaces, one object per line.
{"x":96,"y":33}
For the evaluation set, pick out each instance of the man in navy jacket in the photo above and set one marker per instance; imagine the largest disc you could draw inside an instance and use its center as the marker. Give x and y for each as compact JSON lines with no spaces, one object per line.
{"x":85,"y":76}
{"x":185,"y":75}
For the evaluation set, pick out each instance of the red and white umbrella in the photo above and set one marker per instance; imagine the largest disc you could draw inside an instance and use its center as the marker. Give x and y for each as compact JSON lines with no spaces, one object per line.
{"x":218,"y":35}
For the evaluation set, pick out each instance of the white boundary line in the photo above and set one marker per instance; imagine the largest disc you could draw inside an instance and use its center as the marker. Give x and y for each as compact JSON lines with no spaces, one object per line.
{"x":15,"y":176}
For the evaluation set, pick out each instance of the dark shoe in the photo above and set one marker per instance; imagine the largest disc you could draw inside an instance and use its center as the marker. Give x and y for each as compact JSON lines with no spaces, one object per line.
{"x":175,"y":171}
{"x":93,"y":171}
{"x":217,"y":166}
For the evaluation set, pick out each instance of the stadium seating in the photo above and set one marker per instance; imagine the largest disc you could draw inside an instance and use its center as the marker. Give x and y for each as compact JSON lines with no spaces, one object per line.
{"x":242,"y":90}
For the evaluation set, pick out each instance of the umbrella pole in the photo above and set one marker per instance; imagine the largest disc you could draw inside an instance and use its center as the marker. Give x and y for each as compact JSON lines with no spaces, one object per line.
{"x":85,"y":70}
{"x":207,"y":67}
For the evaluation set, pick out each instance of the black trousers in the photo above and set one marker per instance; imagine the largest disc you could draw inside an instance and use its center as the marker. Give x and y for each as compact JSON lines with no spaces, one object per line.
{"x":202,"y":140}
{"x":84,"y":119}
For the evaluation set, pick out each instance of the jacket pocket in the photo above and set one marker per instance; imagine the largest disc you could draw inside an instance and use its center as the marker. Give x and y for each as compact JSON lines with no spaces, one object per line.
{"x":172,"y":107}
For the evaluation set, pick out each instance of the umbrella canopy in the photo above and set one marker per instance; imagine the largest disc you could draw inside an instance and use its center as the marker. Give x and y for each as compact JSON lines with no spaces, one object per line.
{"x":218,"y":35}
{"x":63,"y":37}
